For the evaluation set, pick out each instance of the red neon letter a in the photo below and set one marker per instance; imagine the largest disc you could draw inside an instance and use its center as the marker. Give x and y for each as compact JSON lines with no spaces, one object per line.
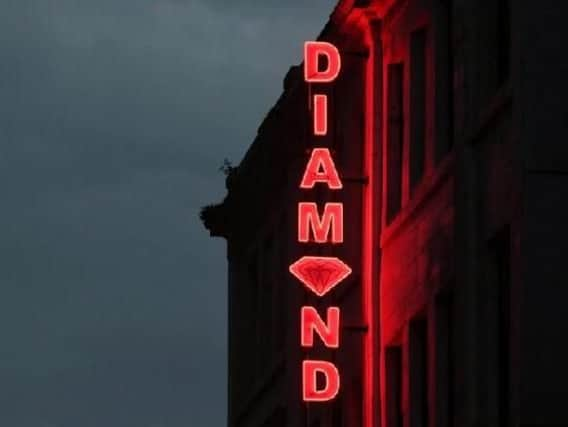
{"x":311,"y":321}
{"x":310,"y":371}
{"x":320,"y":168}
{"x":332,"y":218}
{"x":313,"y":51}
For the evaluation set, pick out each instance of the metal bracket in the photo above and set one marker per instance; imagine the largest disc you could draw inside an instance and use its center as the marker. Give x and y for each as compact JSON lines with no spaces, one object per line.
{"x":356,"y":179}
{"x":362,"y":329}
{"x":363,"y":53}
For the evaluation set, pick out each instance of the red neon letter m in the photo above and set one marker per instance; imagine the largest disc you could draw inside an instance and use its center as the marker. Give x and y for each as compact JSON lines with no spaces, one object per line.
{"x":312,"y":322}
{"x":332,"y":218}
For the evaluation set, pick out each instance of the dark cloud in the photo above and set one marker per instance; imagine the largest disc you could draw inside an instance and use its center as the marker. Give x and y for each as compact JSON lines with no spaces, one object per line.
{"x":114,"y":117}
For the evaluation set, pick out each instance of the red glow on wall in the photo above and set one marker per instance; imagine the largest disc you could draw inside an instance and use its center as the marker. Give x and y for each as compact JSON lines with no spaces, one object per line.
{"x":313,"y":52}
{"x":311,"y":369}
{"x":327,"y":331}
{"x":309,"y":219}
{"x":320,"y":274}
{"x":320,"y":115}
{"x":321,"y":168}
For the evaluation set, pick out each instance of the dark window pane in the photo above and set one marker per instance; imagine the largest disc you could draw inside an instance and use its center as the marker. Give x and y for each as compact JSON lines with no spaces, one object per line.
{"x":503,"y":41}
{"x":444,"y":360}
{"x":417,"y":105}
{"x":394,"y":139}
{"x":418,"y":361}
{"x":500,"y":252}
{"x":337,"y":414}
{"x":393,"y":361}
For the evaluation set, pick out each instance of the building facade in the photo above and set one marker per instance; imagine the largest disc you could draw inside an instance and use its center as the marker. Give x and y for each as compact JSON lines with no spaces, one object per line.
{"x":447,"y":126}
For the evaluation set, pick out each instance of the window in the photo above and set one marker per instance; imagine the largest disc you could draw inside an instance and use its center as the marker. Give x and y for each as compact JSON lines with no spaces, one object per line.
{"x":356,"y":404}
{"x":447,"y":70}
{"x":496,"y":39}
{"x":337,"y":414}
{"x":395,"y":127}
{"x":266,"y":305}
{"x":393,"y":361}
{"x":417,"y":105}
{"x":418,"y":370}
{"x":276,"y":419}
{"x":503,"y":41}
{"x":253,"y":304}
{"x":499,"y":250}
{"x":444,"y":360}
{"x":281,"y":294}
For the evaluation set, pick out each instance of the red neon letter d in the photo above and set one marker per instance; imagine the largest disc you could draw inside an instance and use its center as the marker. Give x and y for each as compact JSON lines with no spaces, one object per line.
{"x":310,"y":371}
{"x":313,"y":51}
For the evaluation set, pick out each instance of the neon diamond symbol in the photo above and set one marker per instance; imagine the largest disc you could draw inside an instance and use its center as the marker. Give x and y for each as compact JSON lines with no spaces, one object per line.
{"x":320,"y":274}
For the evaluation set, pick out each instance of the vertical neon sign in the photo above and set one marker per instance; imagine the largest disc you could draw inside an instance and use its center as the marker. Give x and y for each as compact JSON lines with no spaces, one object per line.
{"x":320,"y":378}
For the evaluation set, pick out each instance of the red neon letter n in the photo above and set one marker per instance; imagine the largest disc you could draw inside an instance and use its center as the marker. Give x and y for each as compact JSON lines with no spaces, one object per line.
{"x":320,"y":168}
{"x":310,"y":371}
{"x":312,"y":322}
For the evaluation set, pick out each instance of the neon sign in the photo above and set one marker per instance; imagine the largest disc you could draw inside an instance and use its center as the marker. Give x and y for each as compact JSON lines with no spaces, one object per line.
{"x":320,"y":378}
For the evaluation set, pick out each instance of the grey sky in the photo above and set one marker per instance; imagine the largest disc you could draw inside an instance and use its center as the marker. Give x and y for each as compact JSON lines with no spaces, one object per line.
{"x":114,"y":118}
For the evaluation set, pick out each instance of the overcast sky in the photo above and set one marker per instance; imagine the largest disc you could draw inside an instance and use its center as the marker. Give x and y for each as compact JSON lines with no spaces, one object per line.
{"x":115,"y":116}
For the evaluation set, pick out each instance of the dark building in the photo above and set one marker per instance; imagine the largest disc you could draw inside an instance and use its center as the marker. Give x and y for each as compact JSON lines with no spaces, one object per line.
{"x":448,"y":125}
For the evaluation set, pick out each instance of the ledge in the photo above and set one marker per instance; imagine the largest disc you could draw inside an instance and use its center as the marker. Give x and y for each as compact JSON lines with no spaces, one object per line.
{"x":215,"y":219}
